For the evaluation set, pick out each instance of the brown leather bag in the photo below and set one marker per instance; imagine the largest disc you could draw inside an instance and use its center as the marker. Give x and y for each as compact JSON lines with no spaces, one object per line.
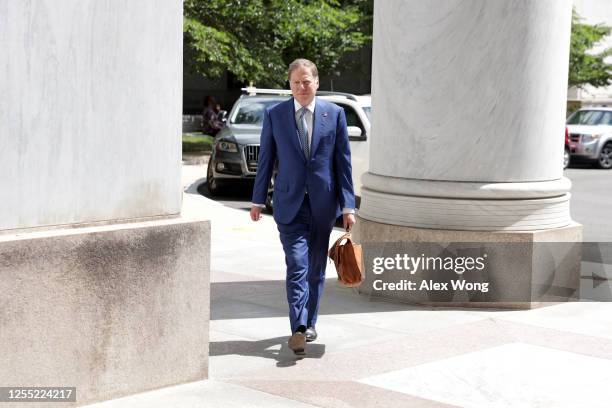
{"x":347,"y":257}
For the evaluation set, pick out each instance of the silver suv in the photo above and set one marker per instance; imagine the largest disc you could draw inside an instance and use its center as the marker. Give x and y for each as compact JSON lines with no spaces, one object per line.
{"x":590,"y":136}
{"x":236,"y":149}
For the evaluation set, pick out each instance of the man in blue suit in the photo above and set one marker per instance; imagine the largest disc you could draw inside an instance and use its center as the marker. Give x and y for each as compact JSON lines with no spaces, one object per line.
{"x":309,"y":139}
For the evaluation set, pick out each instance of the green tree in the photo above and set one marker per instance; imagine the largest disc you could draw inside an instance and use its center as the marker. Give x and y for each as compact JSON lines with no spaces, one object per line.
{"x":587,"y":67}
{"x":256,"y":39}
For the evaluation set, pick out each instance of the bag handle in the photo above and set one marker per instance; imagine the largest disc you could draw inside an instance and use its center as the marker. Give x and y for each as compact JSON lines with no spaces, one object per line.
{"x":334,"y":249}
{"x":347,"y":236}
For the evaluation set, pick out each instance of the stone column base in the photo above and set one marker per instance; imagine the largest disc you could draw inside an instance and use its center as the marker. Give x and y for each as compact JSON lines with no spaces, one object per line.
{"x":543,"y":273}
{"x":111,"y":310}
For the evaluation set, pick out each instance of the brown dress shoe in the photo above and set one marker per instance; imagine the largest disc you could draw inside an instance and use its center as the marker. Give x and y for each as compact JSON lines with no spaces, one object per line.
{"x":311,"y":334}
{"x":297,"y":342}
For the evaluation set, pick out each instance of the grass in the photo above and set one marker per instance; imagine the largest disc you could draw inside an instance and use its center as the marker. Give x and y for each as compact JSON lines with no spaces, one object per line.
{"x":197,"y":143}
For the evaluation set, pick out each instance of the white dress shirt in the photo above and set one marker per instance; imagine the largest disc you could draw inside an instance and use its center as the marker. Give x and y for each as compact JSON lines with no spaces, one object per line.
{"x":309,"y":117}
{"x":310,"y":108}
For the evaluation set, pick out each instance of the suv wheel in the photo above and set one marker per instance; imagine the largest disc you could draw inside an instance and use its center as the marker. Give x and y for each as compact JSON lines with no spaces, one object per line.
{"x":270,"y":203}
{"x":605,"y":157}
{"x":270,"y":197}
{"x":566,"y":158}
{"x":213,"y":183}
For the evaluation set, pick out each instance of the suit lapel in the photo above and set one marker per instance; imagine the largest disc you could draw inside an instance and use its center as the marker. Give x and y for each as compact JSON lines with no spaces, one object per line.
{"x":319,"y":119}
{"x":292,"y":133}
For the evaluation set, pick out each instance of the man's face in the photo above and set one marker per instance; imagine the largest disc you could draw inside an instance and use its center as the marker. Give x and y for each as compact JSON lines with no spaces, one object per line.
{"x":303,"y":85}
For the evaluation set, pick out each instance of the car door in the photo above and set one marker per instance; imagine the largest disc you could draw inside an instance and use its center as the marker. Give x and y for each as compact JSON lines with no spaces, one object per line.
{"x":355,"y":116}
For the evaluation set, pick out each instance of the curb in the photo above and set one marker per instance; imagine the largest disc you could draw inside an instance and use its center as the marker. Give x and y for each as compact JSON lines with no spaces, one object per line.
{"x":195,"y":159}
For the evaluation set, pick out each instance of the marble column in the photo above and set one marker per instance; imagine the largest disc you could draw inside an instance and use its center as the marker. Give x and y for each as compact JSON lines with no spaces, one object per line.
{"x":104,"y":285}
{"x":469,"y":99}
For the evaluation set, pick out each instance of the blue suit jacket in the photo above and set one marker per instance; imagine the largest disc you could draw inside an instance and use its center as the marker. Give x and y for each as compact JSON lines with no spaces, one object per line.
{"x":326,"y":175}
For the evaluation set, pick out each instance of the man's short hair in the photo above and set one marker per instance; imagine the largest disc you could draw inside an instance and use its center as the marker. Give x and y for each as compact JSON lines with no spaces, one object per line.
{"x":303,"y":62}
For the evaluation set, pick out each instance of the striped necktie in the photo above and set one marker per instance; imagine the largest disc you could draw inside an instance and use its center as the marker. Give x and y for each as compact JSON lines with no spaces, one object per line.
{"x":303,"y":131}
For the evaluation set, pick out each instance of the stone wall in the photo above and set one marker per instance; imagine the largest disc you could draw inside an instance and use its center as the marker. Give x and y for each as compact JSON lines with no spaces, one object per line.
{"x":110,"y":310}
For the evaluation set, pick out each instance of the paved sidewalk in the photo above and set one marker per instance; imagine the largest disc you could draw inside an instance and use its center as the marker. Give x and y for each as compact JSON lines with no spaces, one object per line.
{"x":373,"y":353}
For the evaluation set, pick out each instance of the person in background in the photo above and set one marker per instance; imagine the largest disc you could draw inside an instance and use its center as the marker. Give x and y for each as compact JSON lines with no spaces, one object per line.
{"x":210,"y":120}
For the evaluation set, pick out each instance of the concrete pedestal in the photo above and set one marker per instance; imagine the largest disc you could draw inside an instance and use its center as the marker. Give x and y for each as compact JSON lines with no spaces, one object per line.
{"x":111,"y":310}
{"x":524,"y":269}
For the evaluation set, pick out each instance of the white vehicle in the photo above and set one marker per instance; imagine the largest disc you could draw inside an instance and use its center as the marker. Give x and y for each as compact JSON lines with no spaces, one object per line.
{"x":236,"y":149}
{"x":590,"y":136}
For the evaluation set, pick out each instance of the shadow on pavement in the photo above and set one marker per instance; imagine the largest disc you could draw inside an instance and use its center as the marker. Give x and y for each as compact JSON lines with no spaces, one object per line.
{"x":239,"y":191}
{"x":261,"y":299}
{"x":581,"y":166}
{"x":261,"y":348}
{"x":233,"y":196}
{"x":194,"y":188}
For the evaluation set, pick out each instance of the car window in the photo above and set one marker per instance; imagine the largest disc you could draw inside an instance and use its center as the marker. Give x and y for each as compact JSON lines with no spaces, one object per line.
{"x":251,"y":112}
{"x":352,"y":119}
{"x":368,"y":112}
{"x":591,"y":118}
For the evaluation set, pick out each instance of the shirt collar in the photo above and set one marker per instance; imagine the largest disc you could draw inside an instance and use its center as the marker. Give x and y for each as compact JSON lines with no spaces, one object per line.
{"x":310,"y":106}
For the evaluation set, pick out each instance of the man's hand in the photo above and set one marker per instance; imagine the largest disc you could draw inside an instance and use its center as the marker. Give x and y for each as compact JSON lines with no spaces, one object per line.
{"x":347,"y":221}
{"x":256,"y":213}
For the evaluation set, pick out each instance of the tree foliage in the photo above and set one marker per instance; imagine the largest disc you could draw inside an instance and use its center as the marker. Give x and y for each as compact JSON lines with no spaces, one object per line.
{"x":256,"y":39}
{"x":587,"y":67}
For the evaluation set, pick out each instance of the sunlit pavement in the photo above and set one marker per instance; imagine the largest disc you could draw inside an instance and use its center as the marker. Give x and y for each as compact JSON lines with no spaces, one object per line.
{"x":375,"y":353}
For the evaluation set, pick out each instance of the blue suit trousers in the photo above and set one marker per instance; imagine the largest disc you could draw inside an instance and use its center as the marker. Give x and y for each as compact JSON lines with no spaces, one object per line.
{"x":305,"y":243}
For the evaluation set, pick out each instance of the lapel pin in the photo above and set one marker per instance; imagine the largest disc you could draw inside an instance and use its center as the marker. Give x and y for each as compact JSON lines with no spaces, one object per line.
{"x":324,"y":114}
